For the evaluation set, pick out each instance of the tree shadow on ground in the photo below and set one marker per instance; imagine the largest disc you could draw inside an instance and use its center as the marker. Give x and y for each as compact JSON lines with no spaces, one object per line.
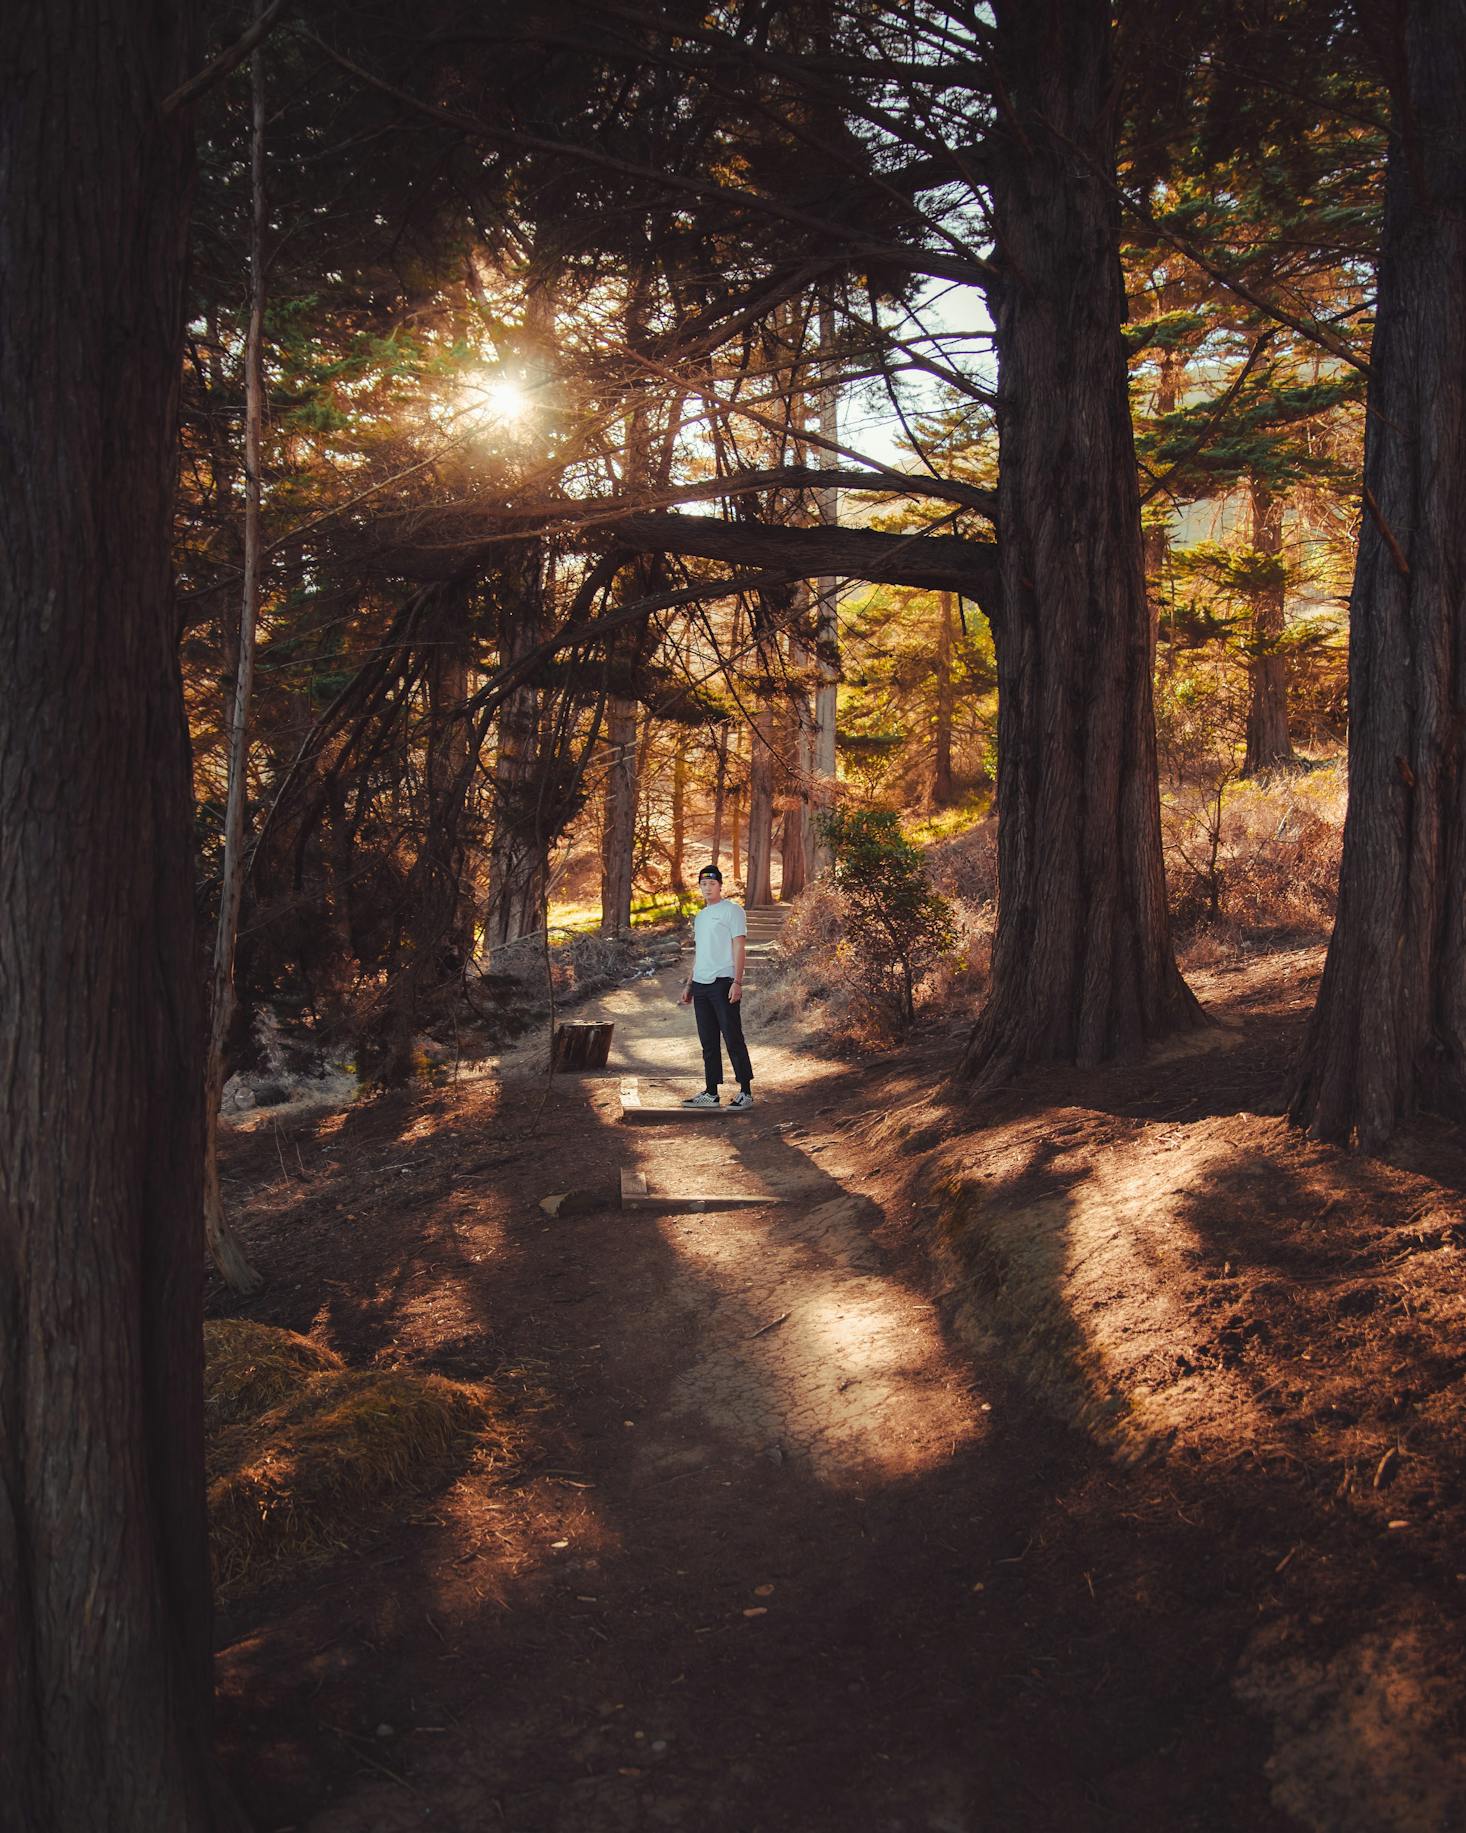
{"x":977,"y":1639}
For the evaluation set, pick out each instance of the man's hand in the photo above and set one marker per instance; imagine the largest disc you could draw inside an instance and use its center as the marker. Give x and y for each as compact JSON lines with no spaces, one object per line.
{"x":735,"y":992}
{"x":684,"y":998}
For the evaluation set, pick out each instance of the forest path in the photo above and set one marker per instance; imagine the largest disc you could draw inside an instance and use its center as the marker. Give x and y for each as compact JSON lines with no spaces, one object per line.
{"x":762,"y":1594}
{"x":790,"y":1556}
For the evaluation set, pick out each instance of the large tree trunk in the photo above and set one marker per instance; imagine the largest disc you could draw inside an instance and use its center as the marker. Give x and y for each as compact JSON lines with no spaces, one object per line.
{"x":1269,"y":746}
{"x":104,"y":1603}
{"x":1082,"y":962}
{"x":1389,"y":1028}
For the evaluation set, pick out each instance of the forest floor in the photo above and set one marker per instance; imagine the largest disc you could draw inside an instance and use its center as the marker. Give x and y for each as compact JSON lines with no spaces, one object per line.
{"x":1085,"y":1458}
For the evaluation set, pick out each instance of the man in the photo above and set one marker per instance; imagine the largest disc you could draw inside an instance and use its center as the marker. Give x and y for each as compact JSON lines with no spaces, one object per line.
{"x":714,"y":990}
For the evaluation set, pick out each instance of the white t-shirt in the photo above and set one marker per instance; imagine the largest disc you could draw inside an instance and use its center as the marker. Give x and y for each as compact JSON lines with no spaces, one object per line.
{"x":713,"y":930}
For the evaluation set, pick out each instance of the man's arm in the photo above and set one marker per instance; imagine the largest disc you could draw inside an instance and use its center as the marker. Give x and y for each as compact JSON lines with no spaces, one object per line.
{"x":740,"y":950}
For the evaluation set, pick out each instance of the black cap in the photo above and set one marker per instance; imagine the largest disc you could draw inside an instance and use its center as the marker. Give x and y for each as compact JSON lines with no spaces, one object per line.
{"x":711,"y":872}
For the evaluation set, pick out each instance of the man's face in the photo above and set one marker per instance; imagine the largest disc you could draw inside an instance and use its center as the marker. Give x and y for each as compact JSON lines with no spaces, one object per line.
{"x":710,"y":888}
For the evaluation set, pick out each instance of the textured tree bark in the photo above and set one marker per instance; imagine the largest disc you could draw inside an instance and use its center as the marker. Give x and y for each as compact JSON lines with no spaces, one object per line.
{"x":1082,"y":961}
{"x":104,"y":1602}
{"x":935,"y":563}
{"x":618,"y":833}
{"x":768,"y":617}
{"x":797,"y":830}
{"x":1389,"y":1029}
{"x":759,"y":888}
{"x":827,"y":624}
{"x":1269,"y":746}
{"x":678,"y":863}
{"x":720,"y":794}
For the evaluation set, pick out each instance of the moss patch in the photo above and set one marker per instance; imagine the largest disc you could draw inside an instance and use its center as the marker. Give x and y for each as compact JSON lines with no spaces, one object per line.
{"x":250,"y":1369}
{"x":312,"y":1474}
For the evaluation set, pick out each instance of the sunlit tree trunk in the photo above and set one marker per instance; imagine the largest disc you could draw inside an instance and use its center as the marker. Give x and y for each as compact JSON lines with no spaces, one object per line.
{"x":720,"y":794}
{"x":1156,"y":532}
{"x":1389,"y":1028}
{"x":1269,"y":746}
{"x":942,"y":790}
{"x":104,"y":1580}
{"x":678,"y":862}
{"x":761,"y":803}
{"x":796,"y":831}
{"x":761,"y":742}
{"x":1082,"y":961}
{"x":618,"y":831}
{"x":826,"y":592}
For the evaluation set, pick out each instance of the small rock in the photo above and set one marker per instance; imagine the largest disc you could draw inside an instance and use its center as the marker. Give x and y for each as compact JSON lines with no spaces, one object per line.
{"x":385,"y":1731}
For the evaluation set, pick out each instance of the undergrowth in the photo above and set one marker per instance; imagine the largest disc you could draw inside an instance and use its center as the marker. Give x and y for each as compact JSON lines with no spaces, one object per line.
{"x":1248,"y":861}
{"x":305,"y":1456}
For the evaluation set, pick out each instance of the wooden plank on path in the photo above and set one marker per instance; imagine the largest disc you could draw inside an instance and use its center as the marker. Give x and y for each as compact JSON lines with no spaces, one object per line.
{"x":636,"y":1195}
{"x":634,"y":1111}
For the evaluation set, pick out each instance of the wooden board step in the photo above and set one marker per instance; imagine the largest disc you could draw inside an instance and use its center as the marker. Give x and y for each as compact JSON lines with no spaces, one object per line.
{"x":635,"y":1195}
{"x":635,"y":1112}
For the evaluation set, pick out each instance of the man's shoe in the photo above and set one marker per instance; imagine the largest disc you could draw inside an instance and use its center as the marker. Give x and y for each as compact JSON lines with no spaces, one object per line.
{"x":744,"y":1098}
{"x":705,"y":1099}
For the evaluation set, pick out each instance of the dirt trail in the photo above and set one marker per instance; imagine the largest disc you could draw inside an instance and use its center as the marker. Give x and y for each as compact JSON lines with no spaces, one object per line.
{"x":749,"y":1622}
{"x":795,"y":1560}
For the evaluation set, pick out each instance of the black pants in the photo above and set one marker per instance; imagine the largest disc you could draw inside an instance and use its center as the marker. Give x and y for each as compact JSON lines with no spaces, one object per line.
{"x":719,"y":1017}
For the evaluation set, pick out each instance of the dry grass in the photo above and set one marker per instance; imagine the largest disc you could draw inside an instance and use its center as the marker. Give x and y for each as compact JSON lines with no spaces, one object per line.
{"x":308,"y":1475}
{"x":250,"y":1369}
{"x":1254,"y":859}
{"x":811,"y":982}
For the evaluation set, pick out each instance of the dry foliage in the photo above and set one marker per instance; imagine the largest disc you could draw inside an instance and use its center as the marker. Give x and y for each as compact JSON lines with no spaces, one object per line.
{"x":308,"y":1473}
{"x":250,"y":1369}
{"x":1254,"y":858}
{"x":812,"y":980}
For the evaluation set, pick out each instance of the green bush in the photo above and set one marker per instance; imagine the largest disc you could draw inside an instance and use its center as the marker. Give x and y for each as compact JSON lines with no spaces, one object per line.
{"x":896,"y":924}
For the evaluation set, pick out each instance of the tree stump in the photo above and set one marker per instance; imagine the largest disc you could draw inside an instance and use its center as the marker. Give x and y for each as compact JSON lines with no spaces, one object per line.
{"x":582,"y":1046}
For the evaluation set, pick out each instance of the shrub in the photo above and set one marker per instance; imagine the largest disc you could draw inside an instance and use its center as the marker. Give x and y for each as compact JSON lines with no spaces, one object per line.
{"x":1253,"y":857}
{"x":896,"y":923}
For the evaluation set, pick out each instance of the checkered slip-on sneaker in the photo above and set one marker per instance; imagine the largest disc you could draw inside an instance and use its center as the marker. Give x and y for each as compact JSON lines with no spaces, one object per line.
{"x":703,"y":1100}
